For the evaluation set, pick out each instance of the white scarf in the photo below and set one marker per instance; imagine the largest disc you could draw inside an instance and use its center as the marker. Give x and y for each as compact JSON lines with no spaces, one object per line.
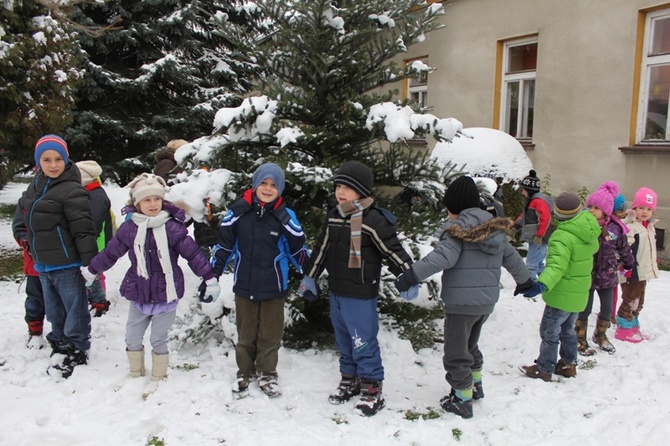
{"x":157,"y":225}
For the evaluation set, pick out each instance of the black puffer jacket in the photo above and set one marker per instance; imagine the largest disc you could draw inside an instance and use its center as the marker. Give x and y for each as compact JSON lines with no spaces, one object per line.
{"x":57,"y":214}
{"x":379,"y":241}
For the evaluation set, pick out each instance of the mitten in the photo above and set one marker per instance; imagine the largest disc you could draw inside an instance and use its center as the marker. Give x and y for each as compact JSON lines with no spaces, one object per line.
{"x":308,"y":289}
{"x":535,"y":289}
{"x":209,"y":290}
{"x":411,"y":294}
{"x":627,"y":273}
{"x":537,"y":240}
{"x":406,"y":280}
{"x":89,"y":277}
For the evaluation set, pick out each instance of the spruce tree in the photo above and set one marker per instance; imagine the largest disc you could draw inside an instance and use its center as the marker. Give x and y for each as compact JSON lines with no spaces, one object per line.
{"x":161,"y":75}
{"x":38,"y":72}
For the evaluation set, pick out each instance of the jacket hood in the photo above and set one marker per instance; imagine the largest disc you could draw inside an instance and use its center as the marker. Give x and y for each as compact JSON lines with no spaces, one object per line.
{"x":478,"y":227}
{"x":584,"y":226}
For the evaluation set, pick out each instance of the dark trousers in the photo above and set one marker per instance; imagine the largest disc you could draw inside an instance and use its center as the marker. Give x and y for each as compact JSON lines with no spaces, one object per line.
{"x":34,"y":300}
{"x":606,"y":298}
{"x":260,"y":327}
{"x":461,"y":348}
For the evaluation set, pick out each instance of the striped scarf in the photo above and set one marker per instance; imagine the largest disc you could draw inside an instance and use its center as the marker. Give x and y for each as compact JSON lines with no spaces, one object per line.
{"x":355,"y":209}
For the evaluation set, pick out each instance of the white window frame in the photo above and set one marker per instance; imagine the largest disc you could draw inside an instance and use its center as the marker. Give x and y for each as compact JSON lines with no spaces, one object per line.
{"x":419,"y":87}
{"x":649,"y":62}
{"x":522,"y":78}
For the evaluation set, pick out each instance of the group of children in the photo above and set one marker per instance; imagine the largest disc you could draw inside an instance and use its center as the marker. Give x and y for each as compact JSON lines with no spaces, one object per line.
{"x":261,"y":236}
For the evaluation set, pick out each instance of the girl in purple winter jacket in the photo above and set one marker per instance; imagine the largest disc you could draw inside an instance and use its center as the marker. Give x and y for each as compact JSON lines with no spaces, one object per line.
{"x":614,"y":250}
{"x":154,"y":236}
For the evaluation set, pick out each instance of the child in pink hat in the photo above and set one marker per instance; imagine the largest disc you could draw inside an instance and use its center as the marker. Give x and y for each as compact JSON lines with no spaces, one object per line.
{"x":642,"y":238}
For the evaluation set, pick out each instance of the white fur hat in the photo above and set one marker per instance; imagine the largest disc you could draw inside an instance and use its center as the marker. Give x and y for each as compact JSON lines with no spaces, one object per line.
{"x":90,"y":170}
{"x":147,"y":185}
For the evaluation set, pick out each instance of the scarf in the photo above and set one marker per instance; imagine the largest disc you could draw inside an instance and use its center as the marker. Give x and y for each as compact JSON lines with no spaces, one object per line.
{"x":355,"y":209}
{"x":157,"y":225}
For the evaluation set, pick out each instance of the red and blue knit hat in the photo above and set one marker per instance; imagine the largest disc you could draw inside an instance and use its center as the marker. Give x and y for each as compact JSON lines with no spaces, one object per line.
{"x":51,"y":142}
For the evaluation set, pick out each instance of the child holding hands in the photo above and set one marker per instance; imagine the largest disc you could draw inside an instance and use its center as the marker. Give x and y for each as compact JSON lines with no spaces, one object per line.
{"x":154,"y":237}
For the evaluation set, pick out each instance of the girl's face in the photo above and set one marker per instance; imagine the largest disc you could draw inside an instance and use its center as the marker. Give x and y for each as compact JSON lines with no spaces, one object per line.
{"x":150,"y":206}
{"x":267,"y":191}
{"x":52,"y":164}
{"x":344,"y":193}
{"x":643,"y":213}
{"x":597,"y":212}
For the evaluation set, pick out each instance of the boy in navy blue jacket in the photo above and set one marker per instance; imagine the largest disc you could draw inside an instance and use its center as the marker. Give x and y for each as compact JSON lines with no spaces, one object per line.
{"x":262,"y":236}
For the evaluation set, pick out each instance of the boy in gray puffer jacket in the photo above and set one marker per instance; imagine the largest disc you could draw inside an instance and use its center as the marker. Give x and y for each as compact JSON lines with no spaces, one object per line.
{"x":472,"y":249}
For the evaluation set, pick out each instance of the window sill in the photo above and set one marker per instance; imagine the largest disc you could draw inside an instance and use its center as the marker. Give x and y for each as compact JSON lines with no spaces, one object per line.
{"x":526,"y":143}
{"x":646,"y":148}
{"x":416,"y":142}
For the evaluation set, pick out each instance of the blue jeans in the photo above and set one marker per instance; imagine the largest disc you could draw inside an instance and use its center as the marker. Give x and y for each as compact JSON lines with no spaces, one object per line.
{"x":67,"y":309}
{"x":535,"y":259}
{"x":34,"y":300}
{"x":356,"y":325}
{"x":557,"y":326}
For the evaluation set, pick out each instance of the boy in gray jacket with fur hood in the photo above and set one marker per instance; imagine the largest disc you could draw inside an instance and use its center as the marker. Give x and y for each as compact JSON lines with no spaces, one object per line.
{"x":472,"y":249}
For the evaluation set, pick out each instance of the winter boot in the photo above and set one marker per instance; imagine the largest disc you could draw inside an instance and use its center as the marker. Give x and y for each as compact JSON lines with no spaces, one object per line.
{"x":159,"y":366}
{"x":100,"y":308}
{"x":582,"y":344}
{"x":372,"y":398}
{"x":627,"y":331}
{"x":136,"y":361}
{"x":458,"y":402}
{"x":600,"y":336}
{"x":72,"y":358}
{"x":532,"y":371}
{"x":477,"y":387}
{"x":349,"y":387}
{"x":269,"y":385}
{"x":565,"y":369}
{"x":35,"y":339}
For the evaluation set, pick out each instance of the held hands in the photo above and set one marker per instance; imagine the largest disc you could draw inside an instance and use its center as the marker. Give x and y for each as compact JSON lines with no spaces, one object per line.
{"x":89,"y":277}
{"x":308,"y":290}
{"x":411,"y":294}
{"x":537,"y":240}
{"x":623,"y":272}
{"x":530,"y":288}
{"x":209,"y":290}
{"x":406,"y":280}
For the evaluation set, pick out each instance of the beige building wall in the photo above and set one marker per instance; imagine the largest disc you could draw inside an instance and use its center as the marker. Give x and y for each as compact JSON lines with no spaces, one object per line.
{"x":585,"y":86}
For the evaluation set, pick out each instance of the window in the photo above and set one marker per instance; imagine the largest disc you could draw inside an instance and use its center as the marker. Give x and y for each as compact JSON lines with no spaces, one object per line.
{"x":655,"y":79}
{"x":417,"y":91}
{"x":518,"y":87}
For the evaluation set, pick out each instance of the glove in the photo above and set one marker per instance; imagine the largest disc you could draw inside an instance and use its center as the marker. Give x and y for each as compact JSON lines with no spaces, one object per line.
{"x":308,"y":289}
{"x":627,"y":273}
{"x":537,"y":240}
{"x":209,"y":290}
{"x":527,"y":286}
{"x":535,"y":289}
{"x":89,"y":277}
{"x":411,"y":294}
{"x":406,"y":280}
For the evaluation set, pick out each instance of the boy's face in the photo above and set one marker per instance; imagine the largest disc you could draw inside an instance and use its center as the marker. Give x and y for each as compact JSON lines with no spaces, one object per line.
{"x":267,"y":191}
{"x":344,"y":193}
{"x":524,"y":192}
{"x":150,"y":206}
{"x":597,"y":212}
{"x":643,"y":213}
{"x":52,"y":164}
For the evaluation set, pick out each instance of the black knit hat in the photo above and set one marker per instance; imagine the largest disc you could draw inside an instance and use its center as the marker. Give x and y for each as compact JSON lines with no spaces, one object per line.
{"x":531,"y":183}
{"x":357,"y":176}
{"x":567,"y":205}
{"x":461,"y":194}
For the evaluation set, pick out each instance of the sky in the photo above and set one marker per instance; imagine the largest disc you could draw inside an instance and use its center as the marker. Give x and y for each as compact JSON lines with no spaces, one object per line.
{"x":622,"y":398}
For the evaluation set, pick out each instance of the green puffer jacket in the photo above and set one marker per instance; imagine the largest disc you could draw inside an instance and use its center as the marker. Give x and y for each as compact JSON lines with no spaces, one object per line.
{"x":567,"y":277}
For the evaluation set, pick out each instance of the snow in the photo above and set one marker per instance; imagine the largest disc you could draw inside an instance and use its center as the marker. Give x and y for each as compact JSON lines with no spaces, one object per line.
{"x":485,"y":151}
{"x":617,"y":399}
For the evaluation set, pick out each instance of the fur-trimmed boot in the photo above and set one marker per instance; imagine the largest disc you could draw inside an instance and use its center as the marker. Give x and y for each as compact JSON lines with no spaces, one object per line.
{"x":159,"y":366}
{"x":600,"y":336}
{"x":136,"y":361}
{"x":582,"y":344}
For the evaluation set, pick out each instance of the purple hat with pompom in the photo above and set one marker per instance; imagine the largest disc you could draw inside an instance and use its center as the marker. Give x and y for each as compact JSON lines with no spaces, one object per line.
{"x":603,"y":197}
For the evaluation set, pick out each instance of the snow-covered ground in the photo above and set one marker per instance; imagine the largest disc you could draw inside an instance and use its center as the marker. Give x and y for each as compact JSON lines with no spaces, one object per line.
{"x":615,"y":399}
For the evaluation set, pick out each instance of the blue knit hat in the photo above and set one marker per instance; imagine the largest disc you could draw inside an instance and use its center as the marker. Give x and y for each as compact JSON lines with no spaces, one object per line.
{"x":619,"y":203}
{"x":51,"y":142}
{"x":272,"y":171}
